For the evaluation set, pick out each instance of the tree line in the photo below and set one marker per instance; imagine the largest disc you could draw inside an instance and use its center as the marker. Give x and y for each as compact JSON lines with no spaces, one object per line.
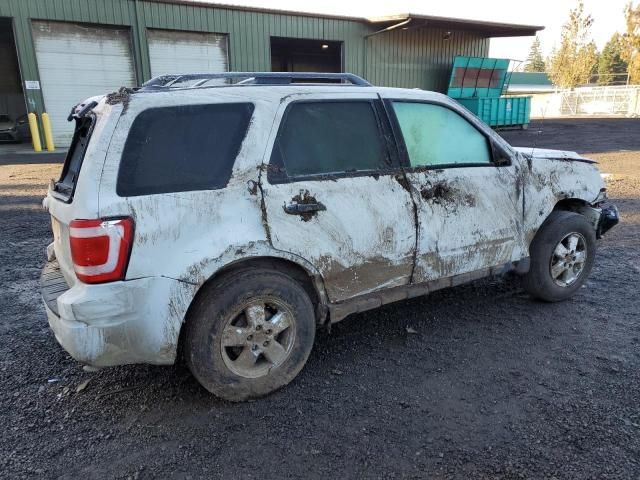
{"x":576,"y":61}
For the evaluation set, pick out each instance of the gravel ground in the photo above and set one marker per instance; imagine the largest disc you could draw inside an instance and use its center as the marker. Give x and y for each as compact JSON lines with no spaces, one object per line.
{"x":491,"y":385}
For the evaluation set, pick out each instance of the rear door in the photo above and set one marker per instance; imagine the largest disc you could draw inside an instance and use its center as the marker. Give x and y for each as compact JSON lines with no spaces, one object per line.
{"x":332,"y":196}
{"x":467,"y":189}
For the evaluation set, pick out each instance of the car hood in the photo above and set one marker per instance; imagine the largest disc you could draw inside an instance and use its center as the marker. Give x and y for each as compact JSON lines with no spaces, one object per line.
{"x":548,"y":154}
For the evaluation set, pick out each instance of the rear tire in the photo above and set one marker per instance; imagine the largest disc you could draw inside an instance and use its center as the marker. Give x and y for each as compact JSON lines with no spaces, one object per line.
{"x":249,"y":334}
{"x":562,"y":255}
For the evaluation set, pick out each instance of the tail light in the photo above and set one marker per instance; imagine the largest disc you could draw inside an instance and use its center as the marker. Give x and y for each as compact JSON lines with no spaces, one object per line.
{"x":100,"y":249}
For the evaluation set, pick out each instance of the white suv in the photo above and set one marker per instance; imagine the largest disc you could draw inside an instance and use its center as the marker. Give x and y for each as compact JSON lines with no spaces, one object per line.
{"x":228,"y":220}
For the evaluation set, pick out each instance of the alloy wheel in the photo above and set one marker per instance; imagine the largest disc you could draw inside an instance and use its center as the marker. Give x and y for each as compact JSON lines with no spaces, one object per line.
{"x":568,"y":259}
{"x":258,"y":337}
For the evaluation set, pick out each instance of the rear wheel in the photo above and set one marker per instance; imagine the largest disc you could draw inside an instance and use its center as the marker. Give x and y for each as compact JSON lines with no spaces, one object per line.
{"x":249,"y":334}
{"x":562,"y":255}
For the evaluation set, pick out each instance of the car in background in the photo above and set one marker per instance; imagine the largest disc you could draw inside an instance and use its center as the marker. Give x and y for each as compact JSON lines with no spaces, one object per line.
{"x":14,"y":131}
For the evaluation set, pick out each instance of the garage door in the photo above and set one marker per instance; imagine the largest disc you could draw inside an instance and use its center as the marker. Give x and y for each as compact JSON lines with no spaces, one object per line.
{"x":78,"y":61}
{"x":187,"y":52}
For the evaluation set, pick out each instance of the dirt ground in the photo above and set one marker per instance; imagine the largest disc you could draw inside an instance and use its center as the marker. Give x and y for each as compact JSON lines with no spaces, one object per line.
{"x":492,"y":385}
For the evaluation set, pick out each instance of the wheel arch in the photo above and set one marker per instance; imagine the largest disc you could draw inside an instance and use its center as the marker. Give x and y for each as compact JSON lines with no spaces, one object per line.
{"x":572,"y":204}
{"x":568,"y":204}
{"x":300,"y":271}
{"x":587,"y":209}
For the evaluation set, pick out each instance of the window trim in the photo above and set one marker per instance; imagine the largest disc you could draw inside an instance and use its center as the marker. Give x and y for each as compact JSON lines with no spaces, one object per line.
{"x":495,"y":150}
{"x":277,"y":174}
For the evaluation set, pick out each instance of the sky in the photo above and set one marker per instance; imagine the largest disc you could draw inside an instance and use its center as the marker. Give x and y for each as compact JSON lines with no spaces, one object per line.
{"x":608,"y":15}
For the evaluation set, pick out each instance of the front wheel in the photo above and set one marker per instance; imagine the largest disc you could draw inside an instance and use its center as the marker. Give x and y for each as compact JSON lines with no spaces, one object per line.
{"x":562,"y":255}
{"x":249,"y":334}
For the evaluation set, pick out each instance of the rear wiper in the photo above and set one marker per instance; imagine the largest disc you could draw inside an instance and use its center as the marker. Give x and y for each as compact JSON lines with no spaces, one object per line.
{"x":82,"y":112}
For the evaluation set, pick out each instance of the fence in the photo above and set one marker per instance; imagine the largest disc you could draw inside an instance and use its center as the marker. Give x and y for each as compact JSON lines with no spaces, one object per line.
{"x":621,"y":100}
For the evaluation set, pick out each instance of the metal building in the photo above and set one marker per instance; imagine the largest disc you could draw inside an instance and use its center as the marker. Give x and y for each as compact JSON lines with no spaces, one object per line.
{"x":54,"y":53}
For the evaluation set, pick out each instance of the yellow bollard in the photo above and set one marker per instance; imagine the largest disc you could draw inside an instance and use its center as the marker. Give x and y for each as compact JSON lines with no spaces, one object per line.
{"x":35,"y":133}
{"x":48,"y":134}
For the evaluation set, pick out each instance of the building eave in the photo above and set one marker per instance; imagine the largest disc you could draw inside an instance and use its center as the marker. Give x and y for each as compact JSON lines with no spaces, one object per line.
{"x":481,"y":27}
{"x":485,"y":28}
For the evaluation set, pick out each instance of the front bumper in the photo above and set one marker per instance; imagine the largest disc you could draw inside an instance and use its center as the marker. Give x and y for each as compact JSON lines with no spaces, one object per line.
{"x":609,"y":217}
{"x":117,"y":323}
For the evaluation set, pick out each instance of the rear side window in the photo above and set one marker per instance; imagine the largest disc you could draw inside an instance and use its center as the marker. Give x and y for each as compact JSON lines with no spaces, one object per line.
{"x":435,"y":135}
{"x":324,"y":138}
{"x":177,"y":149}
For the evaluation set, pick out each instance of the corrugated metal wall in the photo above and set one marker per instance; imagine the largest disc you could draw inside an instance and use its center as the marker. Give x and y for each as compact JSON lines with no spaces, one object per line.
{"x":407,"y":58}
{"x":110,"y":12}
{"x":249,"y":32}
{"x":419,"y":57}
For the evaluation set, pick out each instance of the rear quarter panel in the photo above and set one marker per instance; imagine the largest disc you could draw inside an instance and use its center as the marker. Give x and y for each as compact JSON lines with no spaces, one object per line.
{"x":185,"y":235}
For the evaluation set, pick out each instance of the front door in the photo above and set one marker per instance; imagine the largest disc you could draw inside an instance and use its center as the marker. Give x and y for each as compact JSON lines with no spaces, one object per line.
{"x":331,"y":194}
{"x":469,"y":202}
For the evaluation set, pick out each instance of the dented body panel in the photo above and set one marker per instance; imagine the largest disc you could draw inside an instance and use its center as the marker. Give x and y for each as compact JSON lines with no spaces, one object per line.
{"x":553,"y":177}
{"x":362,"y":240}
{"x":121,"y":322}
{"x":368,"y":240}
{"x":470,"y":218}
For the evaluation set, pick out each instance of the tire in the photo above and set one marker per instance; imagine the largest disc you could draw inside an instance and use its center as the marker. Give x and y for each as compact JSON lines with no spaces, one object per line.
{"x":548,"y":257}
{"x":238,"y":353}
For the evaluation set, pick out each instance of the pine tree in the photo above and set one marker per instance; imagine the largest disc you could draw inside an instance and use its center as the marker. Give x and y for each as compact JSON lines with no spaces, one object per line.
{"x":631,"y":51}
{"x":535,"y":62}
{"x":611,"y":66}
{"x":574,"y":61}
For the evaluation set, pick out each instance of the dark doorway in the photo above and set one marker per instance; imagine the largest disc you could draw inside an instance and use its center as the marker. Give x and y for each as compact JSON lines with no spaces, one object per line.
{"x":13,"y":122}
{"x":298,"y":55}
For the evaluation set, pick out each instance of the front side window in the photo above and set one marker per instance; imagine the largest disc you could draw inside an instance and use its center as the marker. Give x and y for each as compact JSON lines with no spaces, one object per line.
{"x":435,"y":135}
{"x":182,"y":148}
{"x":325,"y":138}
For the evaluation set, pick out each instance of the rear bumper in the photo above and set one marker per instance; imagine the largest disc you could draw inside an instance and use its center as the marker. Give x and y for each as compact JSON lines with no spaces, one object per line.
{"x":609,"y":217}
{"x":83,"y":343}
{"x":135,"y":321}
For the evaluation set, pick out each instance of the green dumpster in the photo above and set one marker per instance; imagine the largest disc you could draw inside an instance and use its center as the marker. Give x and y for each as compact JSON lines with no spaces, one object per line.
{"x":478,"y":84}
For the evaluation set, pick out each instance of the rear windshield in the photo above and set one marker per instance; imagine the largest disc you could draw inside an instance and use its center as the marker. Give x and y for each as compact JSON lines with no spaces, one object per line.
{"x":183,"y":148}
{"x":65,"y":187}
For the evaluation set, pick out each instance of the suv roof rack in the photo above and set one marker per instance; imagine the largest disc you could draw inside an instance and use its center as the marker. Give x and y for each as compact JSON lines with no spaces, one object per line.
{"x":194,"y":80}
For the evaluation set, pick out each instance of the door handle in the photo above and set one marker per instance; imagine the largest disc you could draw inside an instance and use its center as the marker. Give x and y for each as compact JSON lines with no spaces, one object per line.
{"x":302,"y":208}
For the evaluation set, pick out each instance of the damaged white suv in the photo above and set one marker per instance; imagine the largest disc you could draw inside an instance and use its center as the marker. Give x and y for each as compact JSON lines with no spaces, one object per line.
{"x":228,"y":220}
